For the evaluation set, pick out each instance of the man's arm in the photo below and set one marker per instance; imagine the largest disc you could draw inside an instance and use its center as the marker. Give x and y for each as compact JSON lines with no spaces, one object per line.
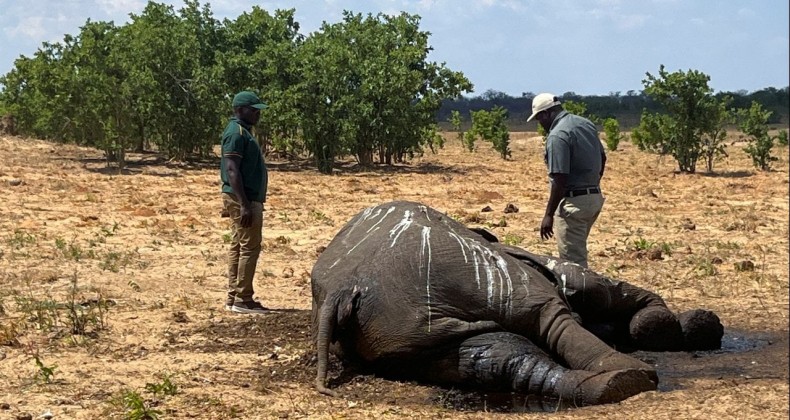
{"x":558,"y":185}
{"x":236,"y":182}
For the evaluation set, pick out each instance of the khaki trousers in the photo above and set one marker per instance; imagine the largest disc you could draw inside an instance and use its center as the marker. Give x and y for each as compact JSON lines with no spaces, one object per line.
{"x":245,"y":247}
{"x":573,"y":220}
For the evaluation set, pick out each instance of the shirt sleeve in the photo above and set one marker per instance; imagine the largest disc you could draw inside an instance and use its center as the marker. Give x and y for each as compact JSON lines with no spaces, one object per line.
{"x":233,"y":143}
{"x":558,"y":155}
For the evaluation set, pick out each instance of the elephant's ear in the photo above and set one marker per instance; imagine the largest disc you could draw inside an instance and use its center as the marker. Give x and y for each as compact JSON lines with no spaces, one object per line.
{"x":346,"y":305}
{"x":485,"y":233}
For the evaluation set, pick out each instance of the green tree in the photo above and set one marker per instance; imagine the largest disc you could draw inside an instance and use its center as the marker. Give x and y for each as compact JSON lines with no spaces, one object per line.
{"x":688,"y":101}
{"x":455,"y":122}
{"x":613,"y":136}
{"x":754,"y":123}
{"x":366,"y":87}
{"x":714,"y":133}
{"x":260,"y":54}
{"x":490,"y":126}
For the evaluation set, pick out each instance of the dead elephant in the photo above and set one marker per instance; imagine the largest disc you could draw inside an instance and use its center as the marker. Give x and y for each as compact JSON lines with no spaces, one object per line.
{"x":411,"y":293}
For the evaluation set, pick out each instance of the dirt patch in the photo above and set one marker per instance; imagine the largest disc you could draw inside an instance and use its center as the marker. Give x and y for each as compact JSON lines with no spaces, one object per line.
{"x":114,"y":282}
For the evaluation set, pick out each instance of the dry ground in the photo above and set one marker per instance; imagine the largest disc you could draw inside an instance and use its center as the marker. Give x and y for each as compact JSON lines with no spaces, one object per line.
{"x":114,"y":282}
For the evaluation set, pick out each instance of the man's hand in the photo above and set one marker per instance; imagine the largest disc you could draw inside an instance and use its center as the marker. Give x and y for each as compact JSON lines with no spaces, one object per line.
{"x":246,"y":216}
{"x":547,"y":227}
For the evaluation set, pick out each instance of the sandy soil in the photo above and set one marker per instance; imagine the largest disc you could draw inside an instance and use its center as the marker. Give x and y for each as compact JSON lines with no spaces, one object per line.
{"x":114,"y":281}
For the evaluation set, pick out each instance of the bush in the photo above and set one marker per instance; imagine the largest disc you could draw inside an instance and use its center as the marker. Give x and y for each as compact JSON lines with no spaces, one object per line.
{"x":613,"y":136}
{"x":754,"y":123}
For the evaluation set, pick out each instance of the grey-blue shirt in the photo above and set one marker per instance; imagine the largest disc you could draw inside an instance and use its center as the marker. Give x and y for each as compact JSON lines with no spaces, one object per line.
{"x":573,"y":148}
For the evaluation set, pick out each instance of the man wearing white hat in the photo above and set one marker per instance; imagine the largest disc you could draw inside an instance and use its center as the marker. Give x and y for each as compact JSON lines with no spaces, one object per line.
{"x":575,"y":159}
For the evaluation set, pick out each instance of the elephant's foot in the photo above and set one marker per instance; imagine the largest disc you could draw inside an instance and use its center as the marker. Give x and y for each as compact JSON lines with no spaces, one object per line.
{"x":586,"y":388}
{"x":656,"y":328}
{"x":615,"y":361}
{"x":702,"y":330}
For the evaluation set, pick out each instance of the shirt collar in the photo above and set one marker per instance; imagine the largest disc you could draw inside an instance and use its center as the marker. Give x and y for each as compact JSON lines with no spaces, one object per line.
{"x":559,"y":116}
{"x":238,"y":121}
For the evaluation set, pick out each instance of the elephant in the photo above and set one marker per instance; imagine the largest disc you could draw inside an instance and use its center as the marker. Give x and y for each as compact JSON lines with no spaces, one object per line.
{"x":409,"y":292}
{"x":620,"y":313}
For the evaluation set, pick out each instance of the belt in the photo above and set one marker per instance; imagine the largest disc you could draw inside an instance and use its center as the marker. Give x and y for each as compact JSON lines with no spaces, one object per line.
{"x":583,"y":191}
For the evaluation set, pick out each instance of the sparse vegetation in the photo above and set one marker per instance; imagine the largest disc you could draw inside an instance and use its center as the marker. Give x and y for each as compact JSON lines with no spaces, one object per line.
{"x":167,"y":312}
{"x":613,"y":136}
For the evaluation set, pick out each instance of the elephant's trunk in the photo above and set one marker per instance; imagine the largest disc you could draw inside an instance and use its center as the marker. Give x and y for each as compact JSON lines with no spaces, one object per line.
{"x":326,"y":326}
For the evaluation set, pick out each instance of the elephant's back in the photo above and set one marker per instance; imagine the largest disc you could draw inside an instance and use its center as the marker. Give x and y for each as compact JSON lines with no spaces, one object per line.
{"x":421,"y":274}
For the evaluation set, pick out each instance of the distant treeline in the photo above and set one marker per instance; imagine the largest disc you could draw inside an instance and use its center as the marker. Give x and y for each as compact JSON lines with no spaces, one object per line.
{"x":626,"y":108}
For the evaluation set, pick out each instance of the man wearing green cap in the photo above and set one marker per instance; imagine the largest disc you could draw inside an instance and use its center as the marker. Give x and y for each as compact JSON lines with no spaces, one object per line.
{"x":244,"y":181}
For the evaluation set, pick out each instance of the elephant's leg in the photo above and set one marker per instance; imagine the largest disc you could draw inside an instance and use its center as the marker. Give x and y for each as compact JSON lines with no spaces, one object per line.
{"x":656,"y":328}
{"x":647,"y":322}
{"x":702,"y":330}
{"x":579,"y":348}
{"x":509,"y":362}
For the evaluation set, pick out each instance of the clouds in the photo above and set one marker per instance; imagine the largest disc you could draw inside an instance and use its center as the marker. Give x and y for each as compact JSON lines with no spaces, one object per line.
{"x":30,"y":27}
{"x":514,"y":46}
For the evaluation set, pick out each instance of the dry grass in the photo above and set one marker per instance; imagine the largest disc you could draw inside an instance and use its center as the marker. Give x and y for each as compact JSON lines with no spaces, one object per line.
{"x":115,"y":281}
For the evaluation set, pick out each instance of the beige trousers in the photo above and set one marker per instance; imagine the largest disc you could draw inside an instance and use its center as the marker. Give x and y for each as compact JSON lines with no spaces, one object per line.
{"x":245,"y":247}
{"x":574,"y":218}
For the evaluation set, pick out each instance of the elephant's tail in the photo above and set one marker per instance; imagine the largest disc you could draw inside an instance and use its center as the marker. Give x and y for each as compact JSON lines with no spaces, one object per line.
{"x":336,"y":310}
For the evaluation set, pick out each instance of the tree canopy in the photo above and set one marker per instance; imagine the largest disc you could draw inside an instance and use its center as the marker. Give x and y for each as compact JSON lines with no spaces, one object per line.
{"x":360,"y":87}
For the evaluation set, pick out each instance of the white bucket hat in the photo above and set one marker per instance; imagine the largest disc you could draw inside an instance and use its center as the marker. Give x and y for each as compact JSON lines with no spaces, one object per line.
{"x":542,"y":102}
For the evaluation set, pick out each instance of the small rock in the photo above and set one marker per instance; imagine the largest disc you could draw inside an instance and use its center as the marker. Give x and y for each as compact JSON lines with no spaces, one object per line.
{"x":744,"y":265}
{"x":654,"y":254}
{"x":180,"y":317}
{"x":511,"y":208}
{"x":319,"y":250}
{"x":688,"y":225}
{"x":5,"y":406}
{"x":636,"y":255}
{"x":15,"y":182}
{"x":716,"y":260}
{"x":288,"y":272}
{"x":487,"y":209}
{"x":46,"y":415}
{"x":24,"y":416}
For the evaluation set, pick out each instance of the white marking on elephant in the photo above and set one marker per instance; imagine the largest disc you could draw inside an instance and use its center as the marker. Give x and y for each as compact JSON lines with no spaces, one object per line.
{"x":355,"y":246}
{"x":401,"y":226}
{"x":494,"y":268}
{"x":525,"y":280}
{"x":424,"y":209}
{"x":362,"y":217}
{"x":462,"y":243}
{"x":551,"y":264}
{"x":502,"y":265}
{"x":564,"y":280}
{"x":425,"y":250}
{"x":390,"y":210}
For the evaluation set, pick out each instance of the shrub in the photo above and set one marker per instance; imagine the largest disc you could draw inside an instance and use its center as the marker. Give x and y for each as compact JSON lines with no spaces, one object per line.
{"x":754,"y":123}
{"x":613,"y":136}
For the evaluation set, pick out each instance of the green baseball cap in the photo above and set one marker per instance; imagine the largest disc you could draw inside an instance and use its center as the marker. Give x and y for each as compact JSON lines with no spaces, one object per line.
{"x":247,"y":98}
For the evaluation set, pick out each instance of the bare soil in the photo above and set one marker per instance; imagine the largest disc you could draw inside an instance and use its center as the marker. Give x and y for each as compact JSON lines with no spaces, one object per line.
{"x":114,"y":281}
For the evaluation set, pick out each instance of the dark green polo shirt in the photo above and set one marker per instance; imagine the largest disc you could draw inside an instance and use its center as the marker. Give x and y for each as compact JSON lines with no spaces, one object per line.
{"x":238,"y":141}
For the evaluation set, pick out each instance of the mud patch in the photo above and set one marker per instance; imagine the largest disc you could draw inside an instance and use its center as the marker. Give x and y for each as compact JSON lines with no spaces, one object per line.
{"x":744,"y":356}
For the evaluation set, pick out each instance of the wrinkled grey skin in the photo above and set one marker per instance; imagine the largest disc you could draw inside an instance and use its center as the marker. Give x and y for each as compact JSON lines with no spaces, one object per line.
{"x":412,"y":293}
{"x":623,"y":314}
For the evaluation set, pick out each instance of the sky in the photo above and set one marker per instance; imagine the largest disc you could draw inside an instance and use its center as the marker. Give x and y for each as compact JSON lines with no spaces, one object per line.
{"x":589,"y":47}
